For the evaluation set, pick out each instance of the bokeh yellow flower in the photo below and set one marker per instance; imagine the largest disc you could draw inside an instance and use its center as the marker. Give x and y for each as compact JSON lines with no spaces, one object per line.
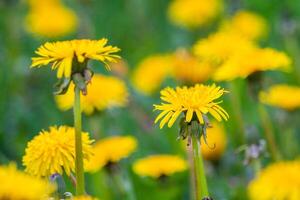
{"x":111,"y":150}
{"x":193,"y":13}
{"x":103,"y":92}
{"x":244,"y":64}
{"x":193,"y":101}
{"x":222,"y":45}
{"x":17,"y":185}
{"x":151,"y":72}
{"x":282,"y":96}
{"x":248,"y":24}
{"x":159,"y":165}
{"x":216,"y":142}
{"x":189,"y":69}
{"x":280,"y":181}
{"x":63,"y":54}
{"x":53,"y":151}
{"x":50,"y":18}
{"x":85,"y":197}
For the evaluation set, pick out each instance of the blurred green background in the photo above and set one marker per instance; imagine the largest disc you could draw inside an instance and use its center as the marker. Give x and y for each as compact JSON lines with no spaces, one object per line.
{"x":140,"y":28}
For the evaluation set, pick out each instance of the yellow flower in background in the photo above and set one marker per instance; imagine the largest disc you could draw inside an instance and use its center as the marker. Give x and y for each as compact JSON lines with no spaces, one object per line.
{"x":216,"y":142}
{"x":103,"y":92}
{"x":111,"y":150}
{"x":17,"y":185}
{"x":242,"y":65}
{"x":248,"y":24}
{"x":50,"y":18}
{"x":151,"y":72}
{"x":53,"y":151}
{"x":280,"y":181}
{"x":220,"y":46}
{"x":189,"y":69}
{"x":159,"y":165}
{"x":63,"y":54}
{"x":193,"y":13}
{"x":85,"y":197}
{"x":193,"y":101}
{"x":282,"y":96}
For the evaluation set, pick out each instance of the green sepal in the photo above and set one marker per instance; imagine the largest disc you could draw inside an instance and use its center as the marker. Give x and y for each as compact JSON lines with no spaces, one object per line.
{"x":61,"y":87}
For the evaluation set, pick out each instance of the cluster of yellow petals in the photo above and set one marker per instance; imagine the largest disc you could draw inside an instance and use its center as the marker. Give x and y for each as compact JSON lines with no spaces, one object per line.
{"x":85,"y":197}
{"x":50,"y":18}
{"x":111,"y":150}
{"x":102,"y":93}
{"x":193,"y":13}
{"x":216,"y":142}
{"x":282,"y":96}
{"x":220,"y":46}
{"x":197,"y":100}
{"x":189,"y":69}
{"x":234,"y":52}
{"x":258,"y":59}
{"x":159,"y":165}
{"x":17,"y":185}
{"x":62,"y":54}
{"x":181,"y":65}
{"x":248,"y":24}
{"x":151,"y":72}
{"x":280,"y":181}
{"x":53,"y":151}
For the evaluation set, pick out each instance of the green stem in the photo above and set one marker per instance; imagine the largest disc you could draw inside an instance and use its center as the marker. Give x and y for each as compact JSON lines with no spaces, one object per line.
{"x":269,"y":133}
{"x":237,"y":112}
{"x":192,"y":172}
{"x":201,"y":190}
{"x":78,"y":145}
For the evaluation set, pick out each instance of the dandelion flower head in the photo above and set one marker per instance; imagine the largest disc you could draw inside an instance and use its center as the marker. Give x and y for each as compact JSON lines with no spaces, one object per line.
{"x":189,"y":69}
{"x":159,"y":165}
{"x":18,"y":185}
{"x":151,"y":72}
{"x":282,"y":96}
{"x":222,"y":45}
{"x":244,"y":64}
{"x":280,"y":181}
{"x":53,"y":151}
{"x":248,"y":24}
{"x":195,"y":101}
{"x":111,"y":150}
{"x":103,"y":92}
{"x":62,"y":54}
{"x":193,"y":13}
{"x":85,"y":197}
{"x":50,"y":18}
{"x":216,"y":142}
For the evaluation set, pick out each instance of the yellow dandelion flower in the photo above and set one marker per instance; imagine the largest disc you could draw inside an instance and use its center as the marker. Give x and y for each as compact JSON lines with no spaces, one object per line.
{"x":111,"y":150}
{"x":216,"y":142}
{"x":151,"y":72}
{"x":282,"y":96}
{"x":103,"y":92}
{"x":85,"y":197}
{"x":261,"y":60}
{"x":20,"y":186}
{"x":159,"y":165}
{"x":63,"y":54}
{"x":193,"y":101}
{"x":193,"y":13}
{"x":189,"y":69}
{"x":222,"y":45}
{"x":53,"y":152}
{"x":247,"y":24}
{"x":280,"y":181}
{"x":49,"y":18}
